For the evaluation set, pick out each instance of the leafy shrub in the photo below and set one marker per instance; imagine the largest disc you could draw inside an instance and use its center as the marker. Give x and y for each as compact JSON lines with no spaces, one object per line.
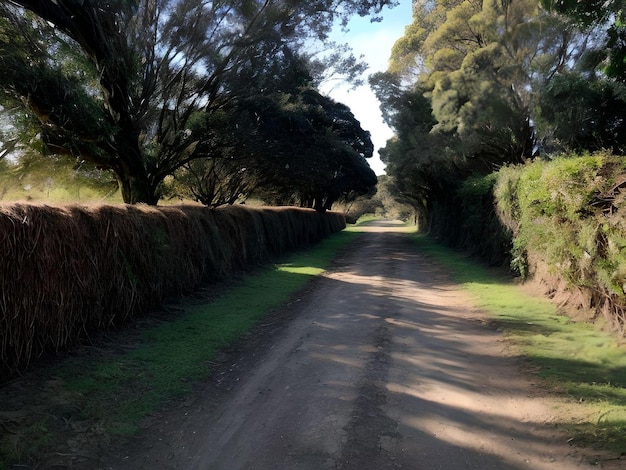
{"x":464,"y":218}
{"x":568,"y":214}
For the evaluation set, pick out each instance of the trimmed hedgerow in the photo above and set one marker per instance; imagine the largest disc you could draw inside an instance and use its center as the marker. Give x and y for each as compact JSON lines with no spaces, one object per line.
{"x":66,"y":272}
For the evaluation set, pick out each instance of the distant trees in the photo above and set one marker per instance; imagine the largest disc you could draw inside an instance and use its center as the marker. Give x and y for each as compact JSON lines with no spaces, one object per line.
{"x":317,"y":151}
{"x":287,"y":144}
{"x":413,"y":157}
{"x":145,"y":87}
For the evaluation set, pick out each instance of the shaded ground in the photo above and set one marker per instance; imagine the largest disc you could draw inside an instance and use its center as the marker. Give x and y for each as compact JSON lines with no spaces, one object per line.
{"x":383,"y":364}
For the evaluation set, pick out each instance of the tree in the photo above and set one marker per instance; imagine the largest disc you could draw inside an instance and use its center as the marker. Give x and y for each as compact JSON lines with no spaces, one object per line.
{"x":582,"y":113}
{"x":215,"y":182}
{"x":483,"y":91}
{"x":283,"y":139}
{"x":609,"y":15}
{"x":481,"y":61}
{"x":582,"y":108}
{"x":121,"y":85}
{"x":311,"y":149}
{"x":415,"y":158}
{"x":461,"y":92}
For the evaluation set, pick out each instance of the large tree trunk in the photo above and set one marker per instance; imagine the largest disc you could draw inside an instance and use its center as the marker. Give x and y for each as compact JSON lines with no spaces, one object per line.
{"x":96,"y":30}
{"x":132,"y":175}
{"x":135,"y":190}
{"x":135,"y":184}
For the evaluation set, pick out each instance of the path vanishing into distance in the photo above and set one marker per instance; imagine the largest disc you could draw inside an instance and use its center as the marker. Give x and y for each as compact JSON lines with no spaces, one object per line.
{"x":382,"y":364}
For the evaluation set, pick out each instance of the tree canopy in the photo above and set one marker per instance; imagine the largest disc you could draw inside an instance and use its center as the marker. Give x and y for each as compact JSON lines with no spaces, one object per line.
{"x":297,"y":148}
{"x":474,"y":85}
{"x":138,"y":86}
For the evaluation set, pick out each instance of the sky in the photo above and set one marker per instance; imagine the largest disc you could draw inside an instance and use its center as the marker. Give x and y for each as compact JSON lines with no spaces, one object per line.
{"x":374,"y":41}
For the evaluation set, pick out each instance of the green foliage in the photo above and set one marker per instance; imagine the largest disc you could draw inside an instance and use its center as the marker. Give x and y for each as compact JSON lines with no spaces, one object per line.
{"x":480,"y":232}
{"x":478,"y":187}
{"x":310,"y":149}
{"x":568,"y":213}
{"x":480,"y":59}
{"x":579,"y":112}
{"x":610,"y":16}
{"x":282,"y":141}
{"x":122,"y":86}
{"x":460,"y":95}
{"x":503,"y":82}
{"x":415,"y":161}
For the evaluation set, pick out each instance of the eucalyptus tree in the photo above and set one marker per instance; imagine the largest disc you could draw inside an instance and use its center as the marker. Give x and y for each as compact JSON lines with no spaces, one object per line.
{"x":132,"y":84}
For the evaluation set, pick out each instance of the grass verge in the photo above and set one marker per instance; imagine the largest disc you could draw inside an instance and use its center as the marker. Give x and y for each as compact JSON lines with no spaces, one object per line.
{"x":575,"y":359}
{"x":117,"y":391}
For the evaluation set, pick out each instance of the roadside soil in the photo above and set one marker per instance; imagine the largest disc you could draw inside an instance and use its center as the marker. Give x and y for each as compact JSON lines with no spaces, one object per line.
{"x":382,"y":363}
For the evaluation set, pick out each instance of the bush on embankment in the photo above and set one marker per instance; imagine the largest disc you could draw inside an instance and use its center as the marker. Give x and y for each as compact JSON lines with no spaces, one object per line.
{"x":66,"y":272}
{"x":568,"y":219}
{"x":561,"y":222}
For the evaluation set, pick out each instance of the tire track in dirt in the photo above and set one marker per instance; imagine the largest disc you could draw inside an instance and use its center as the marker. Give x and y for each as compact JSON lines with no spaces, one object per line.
{"x":370,"y":427}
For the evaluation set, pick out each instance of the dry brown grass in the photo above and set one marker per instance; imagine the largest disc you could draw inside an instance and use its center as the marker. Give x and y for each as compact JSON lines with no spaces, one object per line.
{"x":66,"y":272}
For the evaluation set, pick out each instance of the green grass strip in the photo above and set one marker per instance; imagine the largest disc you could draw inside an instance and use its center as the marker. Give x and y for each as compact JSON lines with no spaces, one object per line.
{"x":577,"y":359}
{"x":176,"y":355}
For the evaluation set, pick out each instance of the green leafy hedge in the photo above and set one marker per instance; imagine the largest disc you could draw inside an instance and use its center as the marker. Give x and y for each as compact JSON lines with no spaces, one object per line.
{"x":568,"y":214}
{"x":466,"y":219}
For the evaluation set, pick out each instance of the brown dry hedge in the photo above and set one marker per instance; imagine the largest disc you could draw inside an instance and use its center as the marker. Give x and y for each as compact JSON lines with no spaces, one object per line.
{"x":67,"y":272}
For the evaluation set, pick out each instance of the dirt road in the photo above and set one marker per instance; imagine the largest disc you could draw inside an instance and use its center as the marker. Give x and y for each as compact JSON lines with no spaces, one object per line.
{"x":383,"y":365}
